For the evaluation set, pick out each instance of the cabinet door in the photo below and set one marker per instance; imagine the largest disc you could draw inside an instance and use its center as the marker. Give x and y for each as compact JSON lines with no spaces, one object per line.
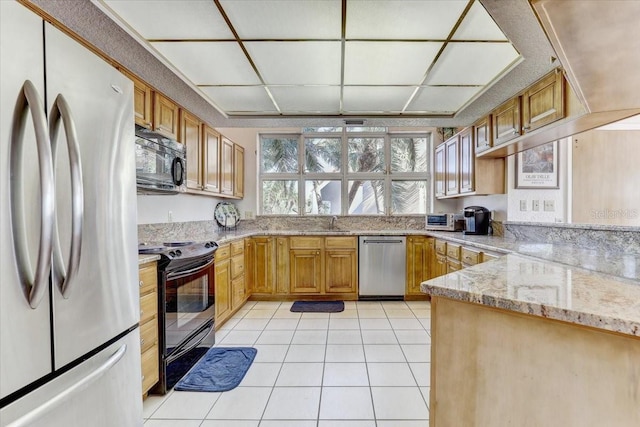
{"x":506,"y":121}
{"x":282,"y":265}
{"x":141,"y":102}
{"x":451,"y":169}
{"x":419,"y":262}
{"x":226,"y":167}
{"x":223,"y":290}
{"x":453,"y":265}
{"x":440,"y":265}
{"x":190,"y":136}
{"x":543,"y":102}
{"x":165,"y":116}
{"x":305,"y":270}
{"x":238,"y":171}
{"x":263,"y":268}
{"x":483,"y":137}
{"x":439,"y":167}
{"x":341,"y":271}
{"x":467,"y":162}
{"x":211,"y":157}
{"x":238,"y":292}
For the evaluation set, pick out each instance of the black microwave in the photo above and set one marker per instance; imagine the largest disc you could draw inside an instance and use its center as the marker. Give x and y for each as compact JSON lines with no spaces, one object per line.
{"x":160,"y":163}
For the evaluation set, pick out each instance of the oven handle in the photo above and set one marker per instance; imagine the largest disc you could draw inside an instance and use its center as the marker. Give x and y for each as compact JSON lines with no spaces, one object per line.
{"x":175,"y":356}
{"x":180,"y":274}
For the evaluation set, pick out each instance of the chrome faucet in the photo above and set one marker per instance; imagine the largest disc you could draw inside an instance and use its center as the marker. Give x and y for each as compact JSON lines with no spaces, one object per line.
{"x":334,"y":219}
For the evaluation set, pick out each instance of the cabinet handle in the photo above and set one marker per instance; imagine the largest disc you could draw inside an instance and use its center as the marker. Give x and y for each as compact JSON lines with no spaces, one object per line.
{"x":318,"y":253}
{"x":141,"y":283}
{"x":142,"y":378}
{"x":525,"y":128}
{"x":142,"y":341}
{"x":141,"y":313}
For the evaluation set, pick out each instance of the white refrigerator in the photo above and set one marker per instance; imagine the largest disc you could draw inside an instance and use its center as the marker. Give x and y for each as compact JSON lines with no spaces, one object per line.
{"x":69,"y":305}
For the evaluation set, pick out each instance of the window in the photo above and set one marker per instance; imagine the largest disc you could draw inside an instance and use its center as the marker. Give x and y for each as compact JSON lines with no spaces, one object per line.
{"x":344,"y":171}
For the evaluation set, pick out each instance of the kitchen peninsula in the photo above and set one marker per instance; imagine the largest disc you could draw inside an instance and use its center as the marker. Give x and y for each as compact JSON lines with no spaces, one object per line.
{"x":530,"y":342}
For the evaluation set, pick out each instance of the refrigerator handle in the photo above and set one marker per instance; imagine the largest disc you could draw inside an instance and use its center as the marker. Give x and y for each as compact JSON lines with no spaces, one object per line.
{"x":34,"y":283}
{"x":28,"y":418}
{"x":63,"y":276}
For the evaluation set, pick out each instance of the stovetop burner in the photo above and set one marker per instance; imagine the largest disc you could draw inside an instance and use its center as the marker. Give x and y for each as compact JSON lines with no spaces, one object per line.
{"x":177,"y":244}
{"x":178,"y":250}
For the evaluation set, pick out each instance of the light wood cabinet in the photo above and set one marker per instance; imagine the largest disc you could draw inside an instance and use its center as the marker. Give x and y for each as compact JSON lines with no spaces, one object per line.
{"x":439,"y":172}
{"x":450,"y":257}
{"x":148,"y":277}
{"x":420,"y":263}
{"x":226,"y":167}
{"x":223,"y":293}
{"x":543,"y":103}
{"x":467,"y":161}
{"x":465,"y":174}
{"x":452,"y":183}
{"x":210,"y":160}
{"x":482,"y":134}
{"x":142,"y":105}
{"x":440,"y":265}
{"x":305,"y":264}
{"x":263,"y":252}
{"x":165,"y":116}
{"x":470,"y":257}
{"x":190,"y":136}
{"x":282,"y":265}
{"x":506,"y":121}
{"x":238,"y":171}
{"x":239,"y":292}
{"x":341,"y":265}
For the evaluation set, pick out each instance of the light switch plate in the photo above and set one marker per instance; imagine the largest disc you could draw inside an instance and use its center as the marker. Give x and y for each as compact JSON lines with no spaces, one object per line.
{"x":523,"y":205}
{"x":535,"y":205}
{"x":549,"y":206}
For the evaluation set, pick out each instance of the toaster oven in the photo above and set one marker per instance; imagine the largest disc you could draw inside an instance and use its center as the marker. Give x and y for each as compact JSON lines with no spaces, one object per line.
{"x":444,"y":222}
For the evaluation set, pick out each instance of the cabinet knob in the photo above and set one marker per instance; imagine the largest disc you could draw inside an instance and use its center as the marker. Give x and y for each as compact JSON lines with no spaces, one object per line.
{"x":141,"y":313}
{"x":142,"y":341}
{"x":141,"y":283}
{"x":142,"y":378}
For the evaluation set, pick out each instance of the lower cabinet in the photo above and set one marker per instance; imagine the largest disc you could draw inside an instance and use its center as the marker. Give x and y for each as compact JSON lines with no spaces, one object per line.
{"x":148,"y":277}
{"x":420,"y":264}
{"x":262,"y":257}
{"x":230,"y":284}
{"x":449,"y":257}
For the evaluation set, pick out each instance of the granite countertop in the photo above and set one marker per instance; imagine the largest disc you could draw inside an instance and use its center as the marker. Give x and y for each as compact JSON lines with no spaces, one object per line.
{"x":551,"y":290}
{"x":145,"y":259}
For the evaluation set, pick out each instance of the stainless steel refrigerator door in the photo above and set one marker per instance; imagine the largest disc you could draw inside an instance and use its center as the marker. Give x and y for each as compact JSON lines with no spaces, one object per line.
{"x":103,"y":391}
{"x":24,"y":332}
{"x":102,"y":299}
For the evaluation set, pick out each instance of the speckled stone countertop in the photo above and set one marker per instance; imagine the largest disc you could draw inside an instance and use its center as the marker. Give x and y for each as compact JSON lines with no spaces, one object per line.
{"x":145,"y":259}
{"x":551,"y":290}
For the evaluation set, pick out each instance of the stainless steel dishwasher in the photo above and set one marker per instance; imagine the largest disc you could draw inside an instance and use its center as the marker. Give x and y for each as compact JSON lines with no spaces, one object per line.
{"x":382,"y":267}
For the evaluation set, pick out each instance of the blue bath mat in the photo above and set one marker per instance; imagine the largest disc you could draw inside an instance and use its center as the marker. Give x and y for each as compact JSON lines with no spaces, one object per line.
{"x":221,"y":369}
{"x":318,"y":306}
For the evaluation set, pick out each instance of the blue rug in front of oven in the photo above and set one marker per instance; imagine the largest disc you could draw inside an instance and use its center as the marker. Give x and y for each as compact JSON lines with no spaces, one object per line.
{"x":221,"y":369}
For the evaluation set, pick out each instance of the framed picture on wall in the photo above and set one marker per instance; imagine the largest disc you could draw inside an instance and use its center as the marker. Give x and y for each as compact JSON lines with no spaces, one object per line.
{"x":538,"y":167}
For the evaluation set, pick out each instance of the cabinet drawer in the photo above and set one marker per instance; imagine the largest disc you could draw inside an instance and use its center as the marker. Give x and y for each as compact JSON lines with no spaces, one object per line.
{"x":223,"y":252}
{"x":453,"y":251}
{"x":306,"y":242}
{"x":148,"y":335}
{"x":237,"y":266}
{"x":237,"y":247}
{"x":150,"y":368}
{"x":441,"y":247}
{"x":470,"y":257}
{"x":453,"y":266}
{"x":332,"y":242}
{"x":148,"y":276}
{"x":489,"y":257}
{"x":148,"y":306}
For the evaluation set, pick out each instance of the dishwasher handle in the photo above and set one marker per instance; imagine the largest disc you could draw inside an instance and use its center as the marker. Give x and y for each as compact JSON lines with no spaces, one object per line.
{"x":383,"y":241}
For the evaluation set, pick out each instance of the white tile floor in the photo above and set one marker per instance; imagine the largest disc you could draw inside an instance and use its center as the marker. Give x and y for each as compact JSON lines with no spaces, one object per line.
{"x":365,"y":367}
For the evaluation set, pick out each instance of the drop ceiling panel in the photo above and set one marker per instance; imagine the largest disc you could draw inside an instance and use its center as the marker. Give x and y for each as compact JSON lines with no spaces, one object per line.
{"x":375,"y":99}
{"x":314,"y":99}
{"x":441,"y":99}
{"x":388,"y":63}
{"x":285,"y":19}
{"x":478,"y":25}
{"x":172,"y":19}
{"x":402,"y":19}
{"x":241,"y":99}
{"x":209,"y":63}
{"x":471,"y":63}
{"x":297,"y":63}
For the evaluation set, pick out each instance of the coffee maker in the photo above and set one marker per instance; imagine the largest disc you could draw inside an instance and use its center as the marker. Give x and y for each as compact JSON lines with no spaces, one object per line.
{"x":477,"y":220}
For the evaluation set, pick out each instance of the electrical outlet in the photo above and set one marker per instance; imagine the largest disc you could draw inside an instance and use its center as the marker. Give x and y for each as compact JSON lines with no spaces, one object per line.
{"x":549,"y":206}
{"x":523,"y":205}
{"x":248,"y":215}
{"x":170,"y":216}
{"x":535,"y":205}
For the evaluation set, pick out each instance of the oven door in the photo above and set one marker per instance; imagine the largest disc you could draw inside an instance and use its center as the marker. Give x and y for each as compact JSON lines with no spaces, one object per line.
{"x":189,"y":308}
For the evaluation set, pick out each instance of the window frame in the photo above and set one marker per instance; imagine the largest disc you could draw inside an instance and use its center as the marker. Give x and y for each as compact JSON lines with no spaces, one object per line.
{"x":344,"y":176}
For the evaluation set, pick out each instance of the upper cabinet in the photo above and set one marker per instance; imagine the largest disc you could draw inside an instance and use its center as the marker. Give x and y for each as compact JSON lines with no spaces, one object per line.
{"x":191,"y":138}
{"x":543,"y":103}
{"x":226,"y":167}
{"x":142,"y":105}
{"x":482,"y":134}
{"x":238,"y":171}
{"x":210,"y":159}
{"x":458,"y":172}
{"x":506,"y":121}
{"x":165,"y":116}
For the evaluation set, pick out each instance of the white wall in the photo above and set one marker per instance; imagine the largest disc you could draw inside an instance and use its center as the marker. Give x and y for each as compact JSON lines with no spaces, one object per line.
{"x":154,"y":209}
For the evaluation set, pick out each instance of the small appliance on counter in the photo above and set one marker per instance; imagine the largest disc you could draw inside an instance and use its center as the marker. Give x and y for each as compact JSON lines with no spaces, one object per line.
{"x":444,"y":222}
{"x":477,"y":220}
